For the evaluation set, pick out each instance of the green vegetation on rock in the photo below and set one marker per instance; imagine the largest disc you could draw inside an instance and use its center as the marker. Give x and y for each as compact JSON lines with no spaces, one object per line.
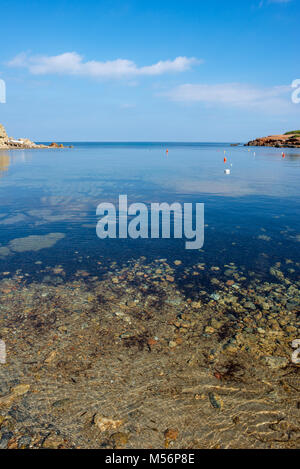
{"x":293,"y":132}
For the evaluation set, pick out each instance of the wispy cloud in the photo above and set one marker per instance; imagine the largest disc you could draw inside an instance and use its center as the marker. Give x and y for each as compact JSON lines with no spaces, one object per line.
{"x":268,"y":2}
{"x":127,"y":105}
{"x":71,"y":63}
{"x":279,"y":1}
{"x":232,"y":94}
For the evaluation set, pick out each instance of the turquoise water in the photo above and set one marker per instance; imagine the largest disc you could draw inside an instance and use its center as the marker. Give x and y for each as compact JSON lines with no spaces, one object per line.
{"x":252,"y":215}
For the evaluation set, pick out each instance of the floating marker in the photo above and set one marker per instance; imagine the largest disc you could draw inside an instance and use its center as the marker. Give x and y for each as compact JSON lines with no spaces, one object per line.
{"x":227,"y":171}
{"x":283,"y":155}
{"x":225,"y":159}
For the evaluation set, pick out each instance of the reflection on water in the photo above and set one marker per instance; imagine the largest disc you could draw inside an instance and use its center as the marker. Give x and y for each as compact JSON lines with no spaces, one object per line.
{"x":252,"y":215}
{"x":4,"y":162}
{"x":13,"y":158}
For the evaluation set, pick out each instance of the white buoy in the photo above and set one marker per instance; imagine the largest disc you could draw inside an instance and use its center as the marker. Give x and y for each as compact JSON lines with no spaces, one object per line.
{"x":227,"y":171}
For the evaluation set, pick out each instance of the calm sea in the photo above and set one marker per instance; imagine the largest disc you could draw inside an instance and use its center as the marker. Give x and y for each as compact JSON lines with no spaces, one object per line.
{"x":252,"y":215}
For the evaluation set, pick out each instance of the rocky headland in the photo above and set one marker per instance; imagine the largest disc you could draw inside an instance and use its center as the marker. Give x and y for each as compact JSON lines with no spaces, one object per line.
{"x":11,"y":143}
{"x":287,"y":140}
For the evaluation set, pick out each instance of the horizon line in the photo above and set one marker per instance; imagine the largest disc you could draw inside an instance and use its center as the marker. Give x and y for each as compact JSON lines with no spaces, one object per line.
{"x":135,"y":141}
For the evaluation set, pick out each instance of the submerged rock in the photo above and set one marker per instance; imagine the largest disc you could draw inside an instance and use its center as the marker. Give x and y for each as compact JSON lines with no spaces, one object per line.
{"x":276,"y":362}
{"x":215,"y":400}
{"x":35,"y":242}
{"x":104,"y":423}
{"x":119,"y":439}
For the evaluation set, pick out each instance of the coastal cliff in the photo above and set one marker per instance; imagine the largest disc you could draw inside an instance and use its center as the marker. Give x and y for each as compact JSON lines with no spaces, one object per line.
{"x":10,"y":143}
{"x":287,"y":140}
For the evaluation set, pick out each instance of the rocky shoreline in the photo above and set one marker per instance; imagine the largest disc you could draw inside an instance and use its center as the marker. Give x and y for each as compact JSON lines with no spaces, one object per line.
{"x":10,"y":143}
{"x":289,"y":140}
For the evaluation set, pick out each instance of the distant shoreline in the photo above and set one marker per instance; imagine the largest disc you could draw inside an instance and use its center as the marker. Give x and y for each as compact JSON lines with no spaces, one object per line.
{"x":288,"y":140}
{"x":11,"y":143}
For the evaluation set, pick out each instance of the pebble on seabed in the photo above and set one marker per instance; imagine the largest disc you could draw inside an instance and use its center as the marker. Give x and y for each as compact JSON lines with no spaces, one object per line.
{"x":102,"y":353}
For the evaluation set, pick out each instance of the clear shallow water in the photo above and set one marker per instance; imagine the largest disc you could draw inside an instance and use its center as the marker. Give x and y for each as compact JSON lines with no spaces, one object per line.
{"x":252,"y":216}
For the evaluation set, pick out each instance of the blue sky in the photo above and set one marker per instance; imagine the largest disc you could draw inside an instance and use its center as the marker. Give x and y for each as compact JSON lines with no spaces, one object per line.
{"x":149,"y":71}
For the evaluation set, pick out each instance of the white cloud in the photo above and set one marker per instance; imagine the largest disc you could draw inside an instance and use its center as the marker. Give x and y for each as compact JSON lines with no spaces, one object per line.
{"x":71,"y":63}
{"x":262,"y":2}
{"x":127,"y":106}
{"x":279,"y":1}
{"x":232,"y":94}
